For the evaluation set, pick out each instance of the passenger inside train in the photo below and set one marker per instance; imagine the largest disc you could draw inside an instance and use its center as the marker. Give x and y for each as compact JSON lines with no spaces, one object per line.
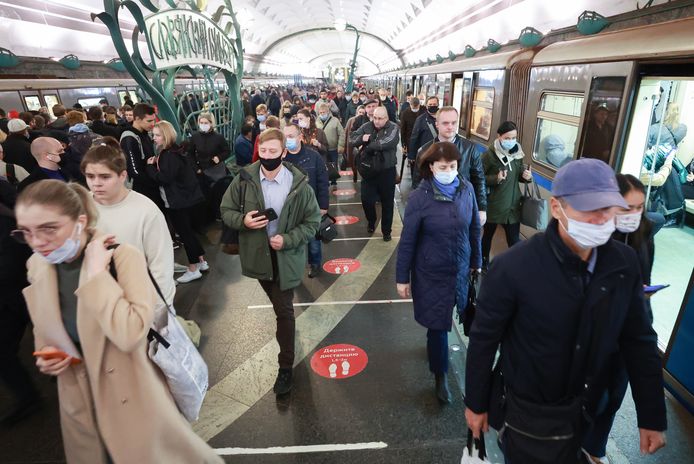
{"x":376,"y":231}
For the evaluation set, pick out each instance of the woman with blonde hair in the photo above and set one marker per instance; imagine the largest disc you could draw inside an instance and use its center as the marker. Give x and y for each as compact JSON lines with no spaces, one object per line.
{"x":174,"y":171}
{"x":90,"y":332}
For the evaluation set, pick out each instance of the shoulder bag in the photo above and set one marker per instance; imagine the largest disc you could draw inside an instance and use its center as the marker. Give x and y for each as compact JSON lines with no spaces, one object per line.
{"x":174,"y":353}
{"x":534,"y":209}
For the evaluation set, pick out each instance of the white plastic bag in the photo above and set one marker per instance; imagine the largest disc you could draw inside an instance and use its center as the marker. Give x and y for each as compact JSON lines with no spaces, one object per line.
{"x":475,"y":452}
{"x":184,"y":369}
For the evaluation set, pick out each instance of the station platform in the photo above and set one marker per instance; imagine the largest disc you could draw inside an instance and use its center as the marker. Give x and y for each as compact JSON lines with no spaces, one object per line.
{"x":386,"y":413}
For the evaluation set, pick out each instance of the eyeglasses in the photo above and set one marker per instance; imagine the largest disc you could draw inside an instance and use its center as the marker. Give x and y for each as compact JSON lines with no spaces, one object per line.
{"x":46,"y":233}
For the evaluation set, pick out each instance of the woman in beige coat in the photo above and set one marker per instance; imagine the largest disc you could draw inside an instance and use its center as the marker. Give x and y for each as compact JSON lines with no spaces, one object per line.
{"x":113,"y":400}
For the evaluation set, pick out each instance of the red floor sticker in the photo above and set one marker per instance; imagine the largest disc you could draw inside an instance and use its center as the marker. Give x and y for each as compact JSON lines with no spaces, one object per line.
{"x":346,"y":173}
{"x":344,"y":192}
{"x":346,"y":220}
{"x":339,"y":361}
{"x":341,"y":265}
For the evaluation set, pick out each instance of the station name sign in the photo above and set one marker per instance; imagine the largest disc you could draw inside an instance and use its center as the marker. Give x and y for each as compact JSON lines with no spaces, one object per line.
{"x":184,"y":37}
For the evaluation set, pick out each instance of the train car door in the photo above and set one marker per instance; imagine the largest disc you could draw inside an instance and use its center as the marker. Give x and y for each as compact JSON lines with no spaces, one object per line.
{"x":462,"y":90}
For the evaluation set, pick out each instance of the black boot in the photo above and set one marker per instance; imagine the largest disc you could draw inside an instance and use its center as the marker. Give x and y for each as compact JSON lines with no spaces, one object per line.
{"x":442,"y":391}
{"x":283,"y":384}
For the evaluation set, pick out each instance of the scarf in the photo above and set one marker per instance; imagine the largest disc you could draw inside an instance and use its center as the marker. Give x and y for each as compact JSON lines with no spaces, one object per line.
{"x":447,"y":190}
{"x":501,"y":154}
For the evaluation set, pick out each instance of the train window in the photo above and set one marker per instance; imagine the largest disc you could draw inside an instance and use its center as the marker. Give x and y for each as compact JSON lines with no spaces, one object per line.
{"x":89,"y":102}
{"x":51,"y":100}
{"x":482,"y":104}
{"x":604,"y":102}
{"x":32,"y":102}
{"x":557,"y":128}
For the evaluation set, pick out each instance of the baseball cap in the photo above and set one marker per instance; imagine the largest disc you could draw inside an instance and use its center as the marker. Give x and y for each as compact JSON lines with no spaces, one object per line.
{"x":16,"y":125}
{"x":587,"y":185}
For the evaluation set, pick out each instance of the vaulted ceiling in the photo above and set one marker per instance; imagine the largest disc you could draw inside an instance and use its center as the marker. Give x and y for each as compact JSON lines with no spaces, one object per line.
{"x":298,"y":36}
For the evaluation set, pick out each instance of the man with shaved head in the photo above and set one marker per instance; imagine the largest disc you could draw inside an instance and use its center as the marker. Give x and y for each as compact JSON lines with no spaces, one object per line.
{"x":48,"y":152}
{"x":378,"y":143}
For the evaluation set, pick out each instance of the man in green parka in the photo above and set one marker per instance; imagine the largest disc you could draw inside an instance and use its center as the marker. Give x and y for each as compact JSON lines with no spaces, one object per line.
{"x":272,"y":244}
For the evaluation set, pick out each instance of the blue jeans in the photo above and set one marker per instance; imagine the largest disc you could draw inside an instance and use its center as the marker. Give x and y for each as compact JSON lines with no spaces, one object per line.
{"x":437,"y":349}
{"x":315,"y":252}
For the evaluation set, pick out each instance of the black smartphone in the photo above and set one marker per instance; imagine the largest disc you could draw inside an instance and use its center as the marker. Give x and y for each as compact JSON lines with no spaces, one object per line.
{"x":269,"y":214}
{"x":651,"y":289}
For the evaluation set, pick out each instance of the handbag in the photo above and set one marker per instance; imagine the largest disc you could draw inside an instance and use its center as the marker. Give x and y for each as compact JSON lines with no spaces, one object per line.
{"x":326,"y":230}
{"x":468,"y":315}
{"x":173,"y":352}
{"x":333,"y":173}
{"x":475,"y":452}
{"x":534,"y":209}
{"x":216,"y":172}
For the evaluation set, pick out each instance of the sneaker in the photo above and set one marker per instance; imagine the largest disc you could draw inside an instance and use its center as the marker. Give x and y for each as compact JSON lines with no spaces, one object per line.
{"x":283,"y":384}
{"x":189,"y":276}
{"x":387,"y":238}
{"x":178,"y":268}
{"x":314,"y":272}
{"x":593,"y":459}
{"x":203,"y":266}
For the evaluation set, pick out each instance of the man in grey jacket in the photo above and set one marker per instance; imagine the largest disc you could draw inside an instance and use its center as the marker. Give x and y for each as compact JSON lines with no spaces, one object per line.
{"x":376,"y":164}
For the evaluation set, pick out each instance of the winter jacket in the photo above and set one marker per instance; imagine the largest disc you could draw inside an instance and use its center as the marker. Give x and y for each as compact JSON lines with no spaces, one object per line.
{"x":469,"y":166}
{"x":17,"y":150}
{"x":313,"y":165}
{"x":342,"y":107}
{"x":384,"y":140}
{"x":298,"y":224}
{"x":138,"y":148}
{"x":334,"y":133}
{"x":421,"y":133}
{"x":38,"y":175}
{"x":60,"y":124}
{"x":274,"y":104}
{"x":534,"y":304}
{"x":206,"y":145}
{"x":243,"y":150}
{"x":13,"y":255}
{"x":255,"y":101}
{"x":174,"y":170}
{"x":504,"y":199}
{"x":351,"y":110}
{"x":101,"y":128}
{"x":391,"y":108}
{"x":439,"y":244}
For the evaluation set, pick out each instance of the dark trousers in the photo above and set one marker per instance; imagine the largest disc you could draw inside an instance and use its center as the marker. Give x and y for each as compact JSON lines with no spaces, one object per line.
{"x":381,"y":187}
{"x":595,"y":438}
{"x":315,"y":252}
{"x":512,"y":236}
{"x":332,"y":158}
{"x":282,"y":303}
{"x":13,"y":322}
{"x":437,"y":350}
{"x":182,"y":220}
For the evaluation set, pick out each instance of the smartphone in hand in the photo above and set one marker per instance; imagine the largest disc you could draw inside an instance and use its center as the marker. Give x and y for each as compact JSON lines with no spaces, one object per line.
{"x":269,"y":214}
{"x":55,"y":355}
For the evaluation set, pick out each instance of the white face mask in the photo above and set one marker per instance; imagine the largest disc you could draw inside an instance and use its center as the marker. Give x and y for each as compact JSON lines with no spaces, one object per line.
{"x":303,"y":124}
{"x":204,"y":127}
{"x":589,"y":235}
{"x":445,"y":177}
{"x":67,"y":250}
{"x":627,"y":223}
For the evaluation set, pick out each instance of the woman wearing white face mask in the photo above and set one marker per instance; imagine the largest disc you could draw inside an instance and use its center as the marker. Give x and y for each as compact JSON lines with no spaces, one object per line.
{"x":635,"y":230}
{"x":439,"y":247}
{"x":90,"y":332}
{"x":209,"y":149}
{"x":503,"y":170}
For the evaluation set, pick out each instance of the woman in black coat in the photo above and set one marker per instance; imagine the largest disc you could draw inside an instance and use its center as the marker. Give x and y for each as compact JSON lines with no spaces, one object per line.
{"x":173,"y":170}
{"x":635,"y":230}
{"x":209,"y":149}
{"x":439,"y":246}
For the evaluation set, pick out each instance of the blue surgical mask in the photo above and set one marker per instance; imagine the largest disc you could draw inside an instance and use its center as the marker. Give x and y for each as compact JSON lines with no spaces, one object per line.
{"x":446,"y":177}
{"x":508,"y":144}
{"x":261,"y":117}
{"x":292,"y":144}
{"x":588,"y":235}
{"x":67,"y":250}
{"x":324,"y":117}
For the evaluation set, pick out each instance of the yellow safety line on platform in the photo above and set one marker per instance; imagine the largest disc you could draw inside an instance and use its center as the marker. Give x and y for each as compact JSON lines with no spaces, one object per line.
{"x":236,"y":393}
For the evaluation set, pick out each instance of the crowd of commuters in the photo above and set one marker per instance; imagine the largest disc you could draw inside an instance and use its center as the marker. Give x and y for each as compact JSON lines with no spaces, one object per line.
{"x":146,"y":192}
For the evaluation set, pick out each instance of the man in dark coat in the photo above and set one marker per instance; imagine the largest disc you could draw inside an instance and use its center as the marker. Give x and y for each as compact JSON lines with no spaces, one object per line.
{"x":424,"y":129}
{"x":388,"y":104}
{"x":48,"y":153}
{"x":98,"y":126}
{"x":408,"y":116}
{"x":255,"y":101}
{"x":351,"y":107}
{"x":560,"y":305}
{"x":470,"y":164}
{"x":17,"y":147}
{"x":138,"y":147}
{"x":310,"y":162}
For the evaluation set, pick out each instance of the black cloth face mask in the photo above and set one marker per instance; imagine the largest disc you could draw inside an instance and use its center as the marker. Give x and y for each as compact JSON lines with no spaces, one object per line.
{"x":432,"y":109}
{"x":270,"y":164}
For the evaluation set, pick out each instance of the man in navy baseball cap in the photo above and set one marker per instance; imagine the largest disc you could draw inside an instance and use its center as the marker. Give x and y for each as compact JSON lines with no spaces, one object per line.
{"x":559,"y":306}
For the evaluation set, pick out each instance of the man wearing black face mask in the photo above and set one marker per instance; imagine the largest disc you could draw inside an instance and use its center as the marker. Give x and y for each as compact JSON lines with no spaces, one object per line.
{"x":274,"y":251}
{"x":424,"y":129}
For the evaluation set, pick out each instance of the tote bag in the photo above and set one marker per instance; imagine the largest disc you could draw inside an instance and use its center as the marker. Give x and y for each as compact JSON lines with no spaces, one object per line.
{"x":535,"y":209}
{"x":475,"y":452}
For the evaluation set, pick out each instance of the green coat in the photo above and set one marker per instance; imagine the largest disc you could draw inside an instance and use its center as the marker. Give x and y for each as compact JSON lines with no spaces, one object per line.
{"x":298,"y":223}
{"x":504,"y":199}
